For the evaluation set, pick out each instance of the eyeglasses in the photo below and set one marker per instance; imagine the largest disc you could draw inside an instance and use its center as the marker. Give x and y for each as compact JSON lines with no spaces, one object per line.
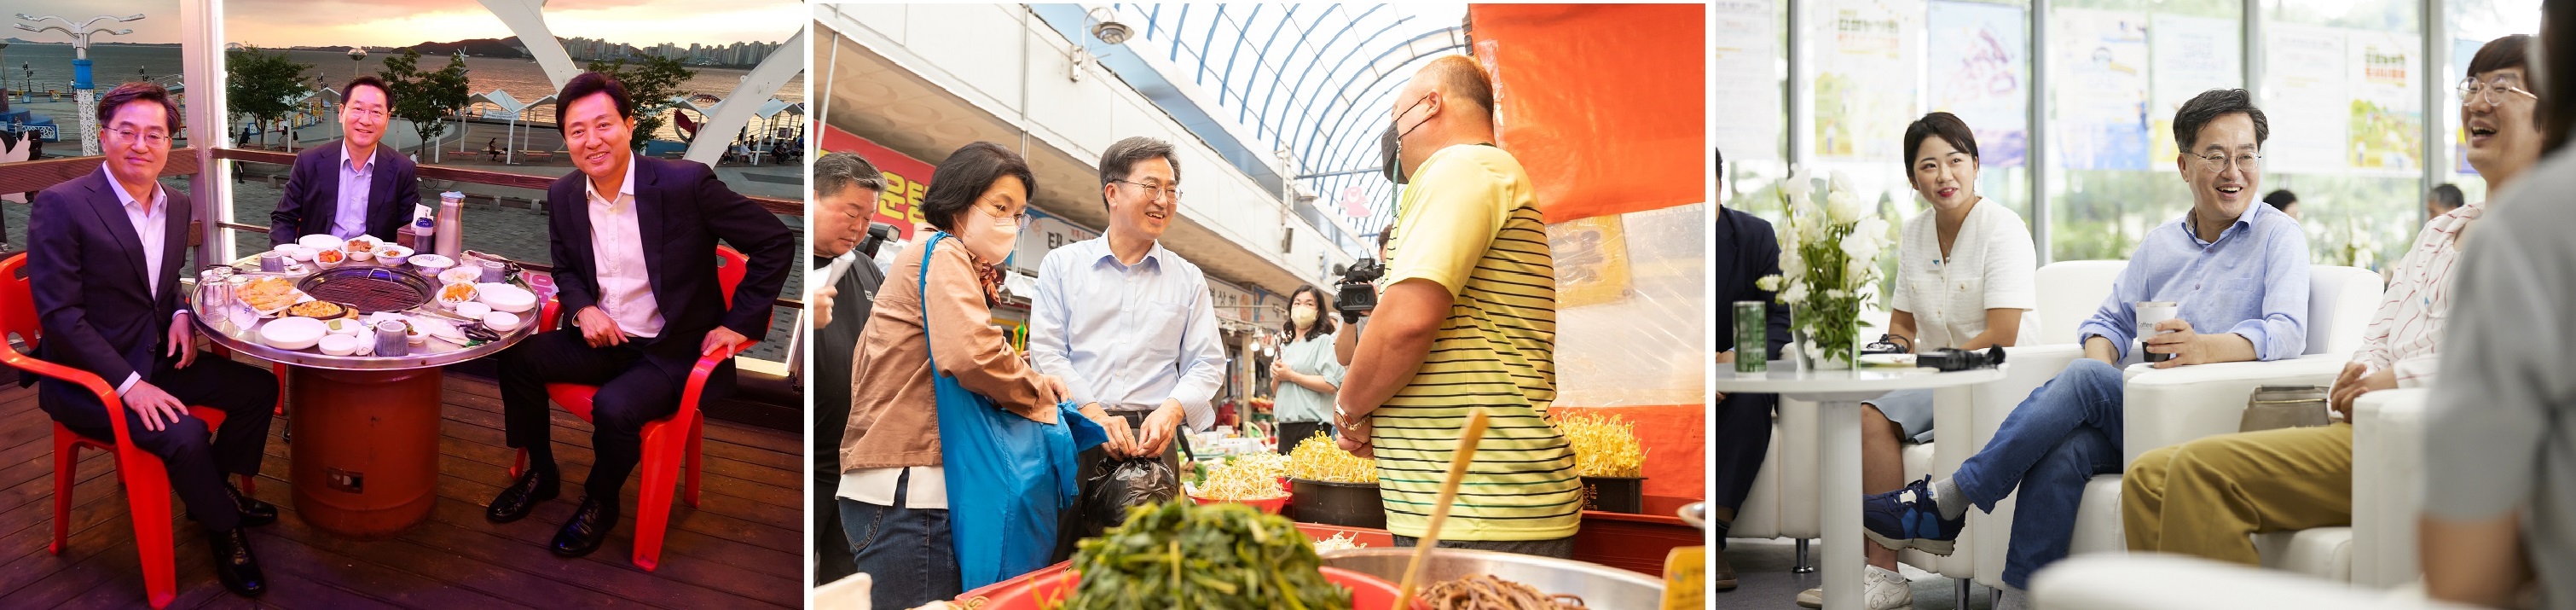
{"x":2471,"y":89}
{"x":154,"y":138}
{"x":1004,"y":218}
{"x":2219,"y":162}
{"x":366,"y":111}
{"x":1157,"y":191}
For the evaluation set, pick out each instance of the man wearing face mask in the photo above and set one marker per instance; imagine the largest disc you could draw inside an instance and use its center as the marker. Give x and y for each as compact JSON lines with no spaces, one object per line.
{"x":634,"y":243}
{"x":1129,"y":326}
{"x":1470,"y":278}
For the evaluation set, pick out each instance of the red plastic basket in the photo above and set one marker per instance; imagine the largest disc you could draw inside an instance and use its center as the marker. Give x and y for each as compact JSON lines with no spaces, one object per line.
{"x":1268,"y":507}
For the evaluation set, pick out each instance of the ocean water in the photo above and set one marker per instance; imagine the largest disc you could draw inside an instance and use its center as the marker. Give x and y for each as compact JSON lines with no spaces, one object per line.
{"x":111,"y":64}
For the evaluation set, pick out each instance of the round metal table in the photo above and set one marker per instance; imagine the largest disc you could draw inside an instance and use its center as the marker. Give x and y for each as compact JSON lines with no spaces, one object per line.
{"x":1837,"y":396}
{"x":366,"y":450}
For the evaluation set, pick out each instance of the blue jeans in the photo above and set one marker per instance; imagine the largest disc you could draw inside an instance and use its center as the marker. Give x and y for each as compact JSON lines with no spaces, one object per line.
{"x":2066,"y":432}
{"x":904,"y":551}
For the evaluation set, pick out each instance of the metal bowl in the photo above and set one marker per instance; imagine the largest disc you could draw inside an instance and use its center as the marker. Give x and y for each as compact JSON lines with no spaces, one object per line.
{"x":1600,"y":586}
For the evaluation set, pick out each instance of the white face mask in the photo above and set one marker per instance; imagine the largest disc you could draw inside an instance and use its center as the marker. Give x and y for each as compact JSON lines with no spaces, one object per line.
{"x":1302,"y":315}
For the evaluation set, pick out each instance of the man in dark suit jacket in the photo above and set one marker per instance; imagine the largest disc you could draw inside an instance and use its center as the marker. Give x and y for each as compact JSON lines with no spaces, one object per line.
{"x":353,"y":187}
{"x":103,"y":261}
{"x":634,"y":241}
{"x":1747,"y":250}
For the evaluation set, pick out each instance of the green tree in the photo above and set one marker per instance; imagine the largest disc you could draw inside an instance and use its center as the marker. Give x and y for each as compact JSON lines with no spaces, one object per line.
{"x":262,"y":85}
{"x":425,"y":98}
{"x":653,"y":84}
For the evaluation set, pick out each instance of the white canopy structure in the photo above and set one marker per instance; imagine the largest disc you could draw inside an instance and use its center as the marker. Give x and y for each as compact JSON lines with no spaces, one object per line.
{"x":509,"y":108}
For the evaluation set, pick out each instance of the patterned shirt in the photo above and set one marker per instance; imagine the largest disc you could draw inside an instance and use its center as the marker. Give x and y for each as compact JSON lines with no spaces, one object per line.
{"x":2402,"y":335}
{"x":1469,"y":222}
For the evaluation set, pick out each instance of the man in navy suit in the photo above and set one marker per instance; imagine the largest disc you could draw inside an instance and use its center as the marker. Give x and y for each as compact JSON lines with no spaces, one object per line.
{"x":103,"y":259}
{"x":634,"y":242}
{"x":355,"y":188}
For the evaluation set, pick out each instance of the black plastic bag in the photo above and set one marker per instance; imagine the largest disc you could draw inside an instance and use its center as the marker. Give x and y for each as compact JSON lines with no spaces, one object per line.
{"x":1126,"y":482}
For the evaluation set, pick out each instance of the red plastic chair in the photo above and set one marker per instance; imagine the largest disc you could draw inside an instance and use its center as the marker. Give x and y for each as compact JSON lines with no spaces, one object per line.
{"x":147,"y":483}
{"x":667,"y":441}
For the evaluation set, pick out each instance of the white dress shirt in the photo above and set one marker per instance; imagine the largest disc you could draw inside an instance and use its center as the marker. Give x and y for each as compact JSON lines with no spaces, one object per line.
{"x":617,"y":247}
{"x":1127,"y":336}
{"x":349,"y":218}
{"x":1989,"y":267}
{"x":151,"y":224}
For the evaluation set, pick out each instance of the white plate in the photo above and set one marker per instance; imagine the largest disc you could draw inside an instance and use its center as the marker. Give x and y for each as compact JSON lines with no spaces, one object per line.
{"x":292,"y":333}
{"x":321,"y":242}
{"x":506,"y":297}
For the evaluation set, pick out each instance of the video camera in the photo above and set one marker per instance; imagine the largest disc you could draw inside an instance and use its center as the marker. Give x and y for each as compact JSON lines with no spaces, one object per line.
{"x":1355,"y":294}
{"x":878,"y":234}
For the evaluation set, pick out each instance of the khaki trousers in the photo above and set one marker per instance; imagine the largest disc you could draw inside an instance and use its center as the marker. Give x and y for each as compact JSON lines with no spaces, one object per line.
{"x":2206,"y":497}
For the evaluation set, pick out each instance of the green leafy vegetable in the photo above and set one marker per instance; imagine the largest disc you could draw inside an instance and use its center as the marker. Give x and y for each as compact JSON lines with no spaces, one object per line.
{"x":1218,"y":557}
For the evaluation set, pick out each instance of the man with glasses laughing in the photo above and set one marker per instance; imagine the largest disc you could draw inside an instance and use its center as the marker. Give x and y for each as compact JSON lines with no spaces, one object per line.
{"x":634,"y":242}
{"x":1128,"y":325}
{"x":103,"y":259}
{"x":2238,"y":270}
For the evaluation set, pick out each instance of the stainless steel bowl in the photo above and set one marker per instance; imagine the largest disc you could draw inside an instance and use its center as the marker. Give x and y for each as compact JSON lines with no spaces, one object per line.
{"x":1600,"y":586}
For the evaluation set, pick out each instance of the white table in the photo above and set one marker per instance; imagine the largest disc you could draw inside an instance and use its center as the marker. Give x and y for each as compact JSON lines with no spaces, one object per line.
{"x":1838,"y":395}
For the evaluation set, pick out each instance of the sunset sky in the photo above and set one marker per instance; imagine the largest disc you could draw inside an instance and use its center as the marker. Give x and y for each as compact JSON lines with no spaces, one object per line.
{"x":288,"y":23}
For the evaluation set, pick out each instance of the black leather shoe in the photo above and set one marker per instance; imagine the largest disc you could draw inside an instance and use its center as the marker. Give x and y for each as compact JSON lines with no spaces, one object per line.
{"x":533,"y":487}
{"x":234,"y":564}
{"x":588,"y":527}
{"x":254,"y":513}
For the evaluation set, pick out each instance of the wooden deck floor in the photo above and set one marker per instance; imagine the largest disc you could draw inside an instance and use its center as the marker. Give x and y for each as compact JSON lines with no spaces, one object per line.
{"x":742,"y":547}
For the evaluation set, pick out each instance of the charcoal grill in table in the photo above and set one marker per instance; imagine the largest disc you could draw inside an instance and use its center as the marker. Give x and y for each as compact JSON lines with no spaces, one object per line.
{"x":369,"y":289}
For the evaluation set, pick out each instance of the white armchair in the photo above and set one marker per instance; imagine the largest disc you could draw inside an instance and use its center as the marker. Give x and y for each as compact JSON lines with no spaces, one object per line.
{"x":2171,"y":406}
{"x":2388,"y":458}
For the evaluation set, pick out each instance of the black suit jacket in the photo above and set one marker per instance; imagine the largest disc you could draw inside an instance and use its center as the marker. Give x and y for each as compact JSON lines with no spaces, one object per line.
{"x":312,"y":198}
{"x":1746,"y":251}
{"x":85,"y":266}
{"x":681,"y":211}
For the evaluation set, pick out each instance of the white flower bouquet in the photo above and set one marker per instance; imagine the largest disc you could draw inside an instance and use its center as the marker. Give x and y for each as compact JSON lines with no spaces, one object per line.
{"x":1829,"y":257}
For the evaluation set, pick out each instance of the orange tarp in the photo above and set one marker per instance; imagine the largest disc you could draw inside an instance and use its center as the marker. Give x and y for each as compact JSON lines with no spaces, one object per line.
{"x":1605,"y":104}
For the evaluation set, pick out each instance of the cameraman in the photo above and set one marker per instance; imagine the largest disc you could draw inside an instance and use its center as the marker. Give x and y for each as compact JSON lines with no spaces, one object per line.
{"x":1471,"y":280}
{"x":1359,"y":276}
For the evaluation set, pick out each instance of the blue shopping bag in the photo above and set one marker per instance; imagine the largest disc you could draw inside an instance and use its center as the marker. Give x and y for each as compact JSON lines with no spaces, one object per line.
{"x":1008,"y":477}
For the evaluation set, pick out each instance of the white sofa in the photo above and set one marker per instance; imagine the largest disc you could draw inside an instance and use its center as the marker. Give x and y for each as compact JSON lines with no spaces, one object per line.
{"x":2155,"y":581}
{"x":2171,"y":406}
{"x":2388,"y":458}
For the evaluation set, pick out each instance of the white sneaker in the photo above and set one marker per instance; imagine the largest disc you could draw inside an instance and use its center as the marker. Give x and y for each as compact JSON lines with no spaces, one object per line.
{"x":1887,"y":590}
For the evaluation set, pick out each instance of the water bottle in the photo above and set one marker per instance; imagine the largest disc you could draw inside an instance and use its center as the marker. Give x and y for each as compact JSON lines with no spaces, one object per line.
{"x":451,"y":220}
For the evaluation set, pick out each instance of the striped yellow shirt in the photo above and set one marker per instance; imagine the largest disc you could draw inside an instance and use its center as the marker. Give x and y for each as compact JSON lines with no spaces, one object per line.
{"x":1468,"y":221}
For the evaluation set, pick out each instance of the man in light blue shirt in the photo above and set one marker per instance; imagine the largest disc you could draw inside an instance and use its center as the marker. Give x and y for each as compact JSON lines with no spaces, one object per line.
{"x":2239,"y":271}
{"x":1128,"y":325}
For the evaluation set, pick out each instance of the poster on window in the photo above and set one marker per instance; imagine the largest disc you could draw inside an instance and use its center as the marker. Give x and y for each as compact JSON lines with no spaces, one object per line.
{"x":2303,"y":67}
{"x":1746,"y":108}
{"x":2386,"y":123}
{"x":2462,"y":50}
{"x":1978,"y":69}
{"x":2101,"y":90}
{"x":1864,"y":82}
{"x":2192,"y":55}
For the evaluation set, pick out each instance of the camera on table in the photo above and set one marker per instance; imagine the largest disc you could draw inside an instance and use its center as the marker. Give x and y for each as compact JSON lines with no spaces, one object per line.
{"x":1355,"y":294}
{"x":1952,"y":359}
